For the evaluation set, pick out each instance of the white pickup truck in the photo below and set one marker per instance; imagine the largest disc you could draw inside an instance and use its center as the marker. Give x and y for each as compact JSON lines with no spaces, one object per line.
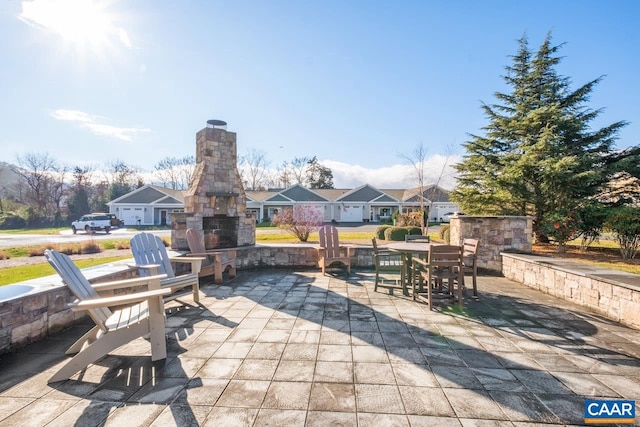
{"x":91,"y":223}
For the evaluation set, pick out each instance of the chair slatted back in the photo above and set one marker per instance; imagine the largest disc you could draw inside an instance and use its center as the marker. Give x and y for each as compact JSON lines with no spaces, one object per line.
{"x":78,"y":284}
{"x":445,"y":260}
{"x":470,"y":253}
{"x":196,"y":245}
{"x":329,"y":241}
{"x":148,"y":248}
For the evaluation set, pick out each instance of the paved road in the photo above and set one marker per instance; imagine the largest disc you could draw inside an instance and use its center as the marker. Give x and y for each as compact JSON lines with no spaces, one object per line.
{"x":13,"y":240}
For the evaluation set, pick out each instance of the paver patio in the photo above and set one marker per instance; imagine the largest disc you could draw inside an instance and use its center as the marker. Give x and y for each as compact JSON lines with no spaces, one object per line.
{"x":294,"y":348}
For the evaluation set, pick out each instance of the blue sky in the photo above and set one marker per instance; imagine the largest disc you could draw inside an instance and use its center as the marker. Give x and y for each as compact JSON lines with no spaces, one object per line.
{"x":355,"y":83}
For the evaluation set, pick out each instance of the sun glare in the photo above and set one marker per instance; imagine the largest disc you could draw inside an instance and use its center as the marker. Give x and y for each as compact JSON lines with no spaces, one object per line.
{"x":84,"y":23}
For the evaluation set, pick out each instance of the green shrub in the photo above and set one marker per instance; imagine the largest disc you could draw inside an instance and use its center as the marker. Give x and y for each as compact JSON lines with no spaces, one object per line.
{"x":624,"y":222}
{"x":395,"y":233}
{"x":445,"y":233}
{"x":380,"y":231}
{"x":414,"y":230}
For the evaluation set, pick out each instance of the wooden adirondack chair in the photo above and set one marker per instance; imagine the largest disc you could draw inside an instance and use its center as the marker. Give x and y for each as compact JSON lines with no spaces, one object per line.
{"x":330,"y":250}
{"x":152,"y":258}
{"x":216,"y":262}
{"x":140,"y":314}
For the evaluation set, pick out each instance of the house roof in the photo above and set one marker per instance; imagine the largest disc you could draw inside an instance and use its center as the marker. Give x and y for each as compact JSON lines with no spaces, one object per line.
{"x":151,"y":194}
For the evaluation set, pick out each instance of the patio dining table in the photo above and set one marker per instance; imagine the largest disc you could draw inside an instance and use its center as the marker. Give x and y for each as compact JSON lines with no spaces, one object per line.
{"x":407,"y":250}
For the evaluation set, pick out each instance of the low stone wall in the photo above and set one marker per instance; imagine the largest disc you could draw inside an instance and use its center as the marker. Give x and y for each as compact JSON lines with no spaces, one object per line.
{"x":610,"y":293}
{"x":496,"y":235}
{"x":33,"y":316}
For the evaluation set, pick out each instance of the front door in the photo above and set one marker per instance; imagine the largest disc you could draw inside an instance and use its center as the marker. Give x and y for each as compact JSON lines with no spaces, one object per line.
{"x":163,"y":217}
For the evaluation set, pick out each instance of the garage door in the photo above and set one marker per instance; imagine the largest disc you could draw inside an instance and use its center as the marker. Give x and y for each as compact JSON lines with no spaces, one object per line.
{"x":351,"y":213}
{"x":130,"y":216}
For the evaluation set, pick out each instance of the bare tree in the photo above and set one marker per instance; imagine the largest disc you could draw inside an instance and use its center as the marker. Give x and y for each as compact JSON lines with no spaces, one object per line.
{"x":37,"y":170}
{"x":175,"y":172}
{"x":417,"y":159}
{"x":253,"y":169}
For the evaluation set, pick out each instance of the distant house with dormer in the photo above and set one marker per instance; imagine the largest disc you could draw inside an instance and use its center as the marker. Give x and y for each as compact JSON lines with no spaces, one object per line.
{"x":152,"y":205}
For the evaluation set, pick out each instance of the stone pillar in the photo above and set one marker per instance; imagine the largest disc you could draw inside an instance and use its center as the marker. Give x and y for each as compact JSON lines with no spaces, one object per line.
{"x":496,"y":234}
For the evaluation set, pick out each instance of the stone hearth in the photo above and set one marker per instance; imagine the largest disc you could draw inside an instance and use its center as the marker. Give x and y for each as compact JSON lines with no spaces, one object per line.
{"x":215,"y":203}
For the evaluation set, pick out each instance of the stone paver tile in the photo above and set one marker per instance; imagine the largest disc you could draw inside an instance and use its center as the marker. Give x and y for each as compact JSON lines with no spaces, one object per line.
{"x":629,"y":388}
{"x":84,"y":412}
{"x":231,"y":417}
{"x":288,"y":395}
{"x":233,"y":350}
{"x":304,"y":337}
{"x":394,"y":339}
{"x":441,"y":356}
{"x":367,"y":353}
{"x":280,"y":324}
{"x":125,"y":414}
{"x":337,"y":372}
{"x":334,"y":353}
{"x":244,"y":335}
{"x":9,"y":405}
{"x":379,"y":398}
{"x":470,"y":422}
{"x":299,"y":351}
{"x":266,"y":350}
{"x":279,"y":418}
{"x":335,"y":338}
{"x":37,"y":413}
{"x":497,"y":344}
{"x":428,"y":421}
{"x":540,"y":381}
{"x":557,"y":363}
{"x":473,"y":404}
{"x":478,"y":359}
{"x":373,"y":373}
{"x":517,"y":360}
{"x":256,"y":369}
{"x":568,"y":409}
{"x":456,"y":377}
{"x":178,"y":415}
{"x":295,"y":370}
{"x":219,"y":368}
{"x":367,"y":338}
{"x":366,"y":419}
{"x":498,"y":379}
{"x":396,"y":326}
{"x":35,"y":386}
{"x":181,"y":367}
{"x":363,"y":326}
{"x":201,"y":391}
{"x":584,"y":384}
{"x":332,"y":397}
{"x":273,"y":336}
{"x":523,"y":407}
{"x":334,"y":419}
{"x":406,"y":355}
{"x":244,"y":394}
{"x":414,"y":375}
{"x":159,"y":390}
{"x":426,"y":401}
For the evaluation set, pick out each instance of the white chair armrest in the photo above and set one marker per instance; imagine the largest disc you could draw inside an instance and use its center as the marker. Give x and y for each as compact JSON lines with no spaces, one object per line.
{"x":118,"y":300}
{"x":152,"y":281}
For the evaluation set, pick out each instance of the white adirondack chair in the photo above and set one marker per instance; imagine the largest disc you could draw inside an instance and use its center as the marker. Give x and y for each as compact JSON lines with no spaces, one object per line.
{"x":138,"y":314}
{"x":152,"y":258}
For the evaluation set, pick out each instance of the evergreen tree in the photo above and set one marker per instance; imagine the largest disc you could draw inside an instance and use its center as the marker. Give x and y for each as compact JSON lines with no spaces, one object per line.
{"x":538,"y":154}
{"x":318,"y":176}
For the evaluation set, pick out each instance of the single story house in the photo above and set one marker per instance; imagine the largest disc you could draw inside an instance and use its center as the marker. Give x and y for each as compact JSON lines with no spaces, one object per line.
{"x":151,"y":205}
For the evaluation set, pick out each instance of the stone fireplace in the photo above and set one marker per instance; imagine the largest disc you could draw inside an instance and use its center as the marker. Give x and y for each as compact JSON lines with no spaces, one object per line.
{"x":215,"y":203}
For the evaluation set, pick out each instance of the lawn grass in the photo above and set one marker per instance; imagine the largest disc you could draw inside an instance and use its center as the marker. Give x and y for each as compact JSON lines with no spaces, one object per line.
{"x":27,"y":272}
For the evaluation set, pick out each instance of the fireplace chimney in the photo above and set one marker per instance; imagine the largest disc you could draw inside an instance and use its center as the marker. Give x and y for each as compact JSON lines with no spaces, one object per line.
{"x":215,"y":203}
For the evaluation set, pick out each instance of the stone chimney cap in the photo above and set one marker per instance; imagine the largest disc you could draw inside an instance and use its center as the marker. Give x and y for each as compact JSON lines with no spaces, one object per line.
{"x":213,"y":123}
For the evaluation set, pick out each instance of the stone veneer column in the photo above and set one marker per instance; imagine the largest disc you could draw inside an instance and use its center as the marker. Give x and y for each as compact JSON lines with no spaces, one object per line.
{"x":496,"y":234}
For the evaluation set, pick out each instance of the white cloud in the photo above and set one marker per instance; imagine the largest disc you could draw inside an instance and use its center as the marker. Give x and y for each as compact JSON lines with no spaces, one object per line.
{"x":396,"y":176}
{"x":89,"y":121}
